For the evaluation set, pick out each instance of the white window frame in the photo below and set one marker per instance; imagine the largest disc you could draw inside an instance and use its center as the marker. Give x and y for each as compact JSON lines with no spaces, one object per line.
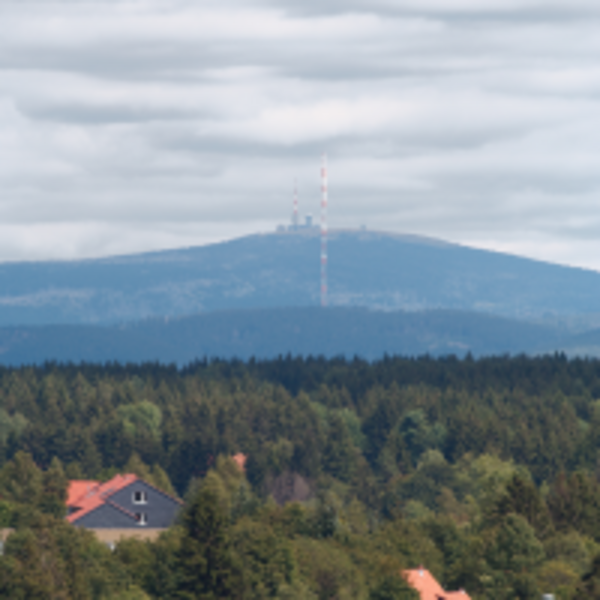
{"x":142,"y":519}
{"x":143,"y":497}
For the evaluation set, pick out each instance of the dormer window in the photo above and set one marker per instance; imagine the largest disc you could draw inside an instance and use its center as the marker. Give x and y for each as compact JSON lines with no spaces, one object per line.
{"x":140,"y":497}
{"x":141,"y":518}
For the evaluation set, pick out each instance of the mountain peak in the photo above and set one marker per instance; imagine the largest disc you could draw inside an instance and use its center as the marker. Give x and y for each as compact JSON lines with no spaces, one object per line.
{"x":373,"y":269}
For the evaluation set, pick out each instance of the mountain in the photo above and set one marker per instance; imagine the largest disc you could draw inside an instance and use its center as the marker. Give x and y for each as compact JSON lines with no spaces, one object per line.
{"x":370,"y":269}
{"x":267,"y":333}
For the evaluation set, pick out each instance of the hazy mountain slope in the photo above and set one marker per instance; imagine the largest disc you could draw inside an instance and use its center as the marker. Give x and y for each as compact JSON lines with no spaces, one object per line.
{"x":269,"y":332}
{"x":365,"y":269}
{"x":584,"y":344}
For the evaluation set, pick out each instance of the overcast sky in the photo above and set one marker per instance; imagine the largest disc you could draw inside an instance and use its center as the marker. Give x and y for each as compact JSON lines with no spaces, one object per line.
{"x":130,"y":126}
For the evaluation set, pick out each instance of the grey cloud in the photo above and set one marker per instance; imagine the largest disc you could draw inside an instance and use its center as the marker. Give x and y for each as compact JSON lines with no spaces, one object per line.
{"x":121,"y":60}
{"x":440,"y":117}
{"x":100,"y":114}
{"x":475,"y":11}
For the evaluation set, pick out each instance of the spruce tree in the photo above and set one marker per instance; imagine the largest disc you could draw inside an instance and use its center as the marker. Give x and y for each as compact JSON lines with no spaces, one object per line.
{"x":55,"y":485}
{"x":207,"y":569}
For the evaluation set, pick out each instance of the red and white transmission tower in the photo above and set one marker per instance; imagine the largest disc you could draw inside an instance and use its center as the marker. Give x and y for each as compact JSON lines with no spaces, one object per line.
{"x":295,"y":213}
{"x":324,"y":231}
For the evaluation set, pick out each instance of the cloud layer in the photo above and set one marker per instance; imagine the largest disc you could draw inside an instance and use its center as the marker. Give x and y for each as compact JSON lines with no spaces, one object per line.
{"x":129,"y":126}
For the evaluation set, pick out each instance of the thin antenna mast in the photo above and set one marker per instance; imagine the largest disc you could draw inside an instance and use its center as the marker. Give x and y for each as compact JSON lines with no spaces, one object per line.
{"x":324,"y":231}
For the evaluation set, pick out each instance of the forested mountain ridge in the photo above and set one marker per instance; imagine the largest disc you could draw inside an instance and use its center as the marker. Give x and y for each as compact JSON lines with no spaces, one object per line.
{"x":370,"y":269}
{"x":483,"y":470}
{"x":268,"y":333}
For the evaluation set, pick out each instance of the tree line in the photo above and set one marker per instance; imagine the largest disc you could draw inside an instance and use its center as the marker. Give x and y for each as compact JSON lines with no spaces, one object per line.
{"x":485,"y":471}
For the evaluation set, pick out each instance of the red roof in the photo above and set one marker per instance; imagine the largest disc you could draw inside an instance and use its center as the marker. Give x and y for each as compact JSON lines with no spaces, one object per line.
{"x":240,"y":460}
{"x":428,"y":587}
{"x":86,"y":496}
{"x":77,"y":489}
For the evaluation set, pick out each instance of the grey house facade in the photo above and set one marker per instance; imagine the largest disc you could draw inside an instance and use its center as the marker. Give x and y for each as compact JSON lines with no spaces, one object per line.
{"x":125,"y":502}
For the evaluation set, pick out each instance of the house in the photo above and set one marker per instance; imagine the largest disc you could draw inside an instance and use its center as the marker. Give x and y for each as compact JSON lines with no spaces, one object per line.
{"x":124,"y":506}
{"x":429,"y":589}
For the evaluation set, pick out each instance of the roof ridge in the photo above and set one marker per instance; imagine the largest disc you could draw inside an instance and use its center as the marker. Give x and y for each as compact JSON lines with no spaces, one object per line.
{"x":117,"y":483}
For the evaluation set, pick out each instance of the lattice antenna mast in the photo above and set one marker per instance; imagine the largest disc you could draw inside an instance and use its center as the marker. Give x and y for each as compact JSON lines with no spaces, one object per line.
{"x":295,"y":211}
{"x":324,"y":231}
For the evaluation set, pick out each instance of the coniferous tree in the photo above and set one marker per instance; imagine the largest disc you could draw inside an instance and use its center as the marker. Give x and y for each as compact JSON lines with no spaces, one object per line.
{"x":207,"y":569}
{"x":54,"y":493}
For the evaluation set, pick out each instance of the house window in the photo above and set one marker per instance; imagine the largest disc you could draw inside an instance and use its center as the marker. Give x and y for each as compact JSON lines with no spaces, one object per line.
{"x":140,"y":497}
{"x":142,"y":518}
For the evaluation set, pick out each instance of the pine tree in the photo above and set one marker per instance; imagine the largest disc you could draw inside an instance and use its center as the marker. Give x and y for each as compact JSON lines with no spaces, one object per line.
{"x":206,"y":563}
{"x":55,"y":485}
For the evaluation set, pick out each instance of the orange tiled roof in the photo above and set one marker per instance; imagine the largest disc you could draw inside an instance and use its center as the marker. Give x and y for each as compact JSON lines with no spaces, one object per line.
{"x":428,"y":587}
{"x":79,"y":488}
{"x":240,"y":460}
{"x":86,"y":496}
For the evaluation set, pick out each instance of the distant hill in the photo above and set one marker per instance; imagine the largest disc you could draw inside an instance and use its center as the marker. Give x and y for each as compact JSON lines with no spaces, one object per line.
{"x":369,"y":269}
{"x":267,"y":333}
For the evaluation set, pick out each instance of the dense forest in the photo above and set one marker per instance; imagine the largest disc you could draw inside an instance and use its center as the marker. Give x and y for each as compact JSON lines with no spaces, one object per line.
{"x":485,"y":471}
